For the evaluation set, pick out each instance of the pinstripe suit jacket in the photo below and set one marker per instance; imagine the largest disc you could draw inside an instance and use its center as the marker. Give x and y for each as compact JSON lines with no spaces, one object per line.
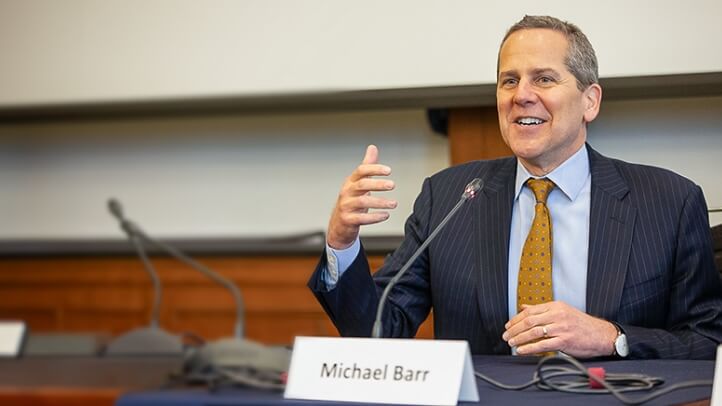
{"x":650,"y":266}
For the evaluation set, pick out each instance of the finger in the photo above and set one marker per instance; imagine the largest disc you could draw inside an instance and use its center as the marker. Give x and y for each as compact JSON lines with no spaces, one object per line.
{"x":515,"y":320}
{"x":537,"y":309}
{"x":533,"y":334}
{"x":362,"y":204}
{"x":550,"y":344}
{"x":518,"y":318}
{"x":367,"y":170}
{"x":373,"y":185}
{"x":352,"y":190}
{"x":526,"y":323}
{"x":372,"y":155}
{"x":373,"y":202}
{"x":367,"y":218}
{"x":527,"y":310}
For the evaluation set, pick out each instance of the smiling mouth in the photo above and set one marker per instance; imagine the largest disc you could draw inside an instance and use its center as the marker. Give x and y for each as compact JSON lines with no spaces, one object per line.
{"x":528,"y":121}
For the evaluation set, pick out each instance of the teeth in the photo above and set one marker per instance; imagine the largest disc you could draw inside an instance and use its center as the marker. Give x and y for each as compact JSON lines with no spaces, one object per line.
{"x":529,"y":121}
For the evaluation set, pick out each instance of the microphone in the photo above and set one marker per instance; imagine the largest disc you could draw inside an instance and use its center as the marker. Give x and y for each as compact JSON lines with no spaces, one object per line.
{"x":470,"y":191}
{"x":151,"y":340}
{"x":236,"y":360}
{"x":116,"y":209}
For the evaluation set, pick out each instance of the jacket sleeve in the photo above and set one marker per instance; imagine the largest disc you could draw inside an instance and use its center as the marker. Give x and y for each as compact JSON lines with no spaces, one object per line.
{"x":694,"y":319}
{"x":352,"y":304}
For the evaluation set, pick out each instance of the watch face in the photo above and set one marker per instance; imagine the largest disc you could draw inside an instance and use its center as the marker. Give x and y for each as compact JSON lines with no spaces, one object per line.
{"x":620,"y":345}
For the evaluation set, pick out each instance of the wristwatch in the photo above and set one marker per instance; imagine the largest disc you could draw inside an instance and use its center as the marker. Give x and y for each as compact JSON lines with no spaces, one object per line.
{"x":621,"y":349}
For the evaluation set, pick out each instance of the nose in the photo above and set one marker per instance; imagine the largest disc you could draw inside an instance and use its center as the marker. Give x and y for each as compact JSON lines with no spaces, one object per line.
{"x":524,"y":93}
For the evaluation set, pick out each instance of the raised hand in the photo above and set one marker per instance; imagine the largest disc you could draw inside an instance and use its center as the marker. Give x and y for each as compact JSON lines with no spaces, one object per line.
{"x":355,"y":200}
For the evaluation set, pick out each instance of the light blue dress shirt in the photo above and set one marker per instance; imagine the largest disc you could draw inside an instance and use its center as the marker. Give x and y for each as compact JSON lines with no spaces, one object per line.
{"x":569,"y":205}
{"x":338,"y":261}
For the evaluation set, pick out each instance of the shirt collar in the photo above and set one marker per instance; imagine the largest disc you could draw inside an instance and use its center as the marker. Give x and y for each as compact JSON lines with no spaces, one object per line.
{"x":569,"y":177}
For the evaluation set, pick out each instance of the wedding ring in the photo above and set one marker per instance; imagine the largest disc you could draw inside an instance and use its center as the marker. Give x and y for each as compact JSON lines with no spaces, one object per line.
{"x":544,"y":330}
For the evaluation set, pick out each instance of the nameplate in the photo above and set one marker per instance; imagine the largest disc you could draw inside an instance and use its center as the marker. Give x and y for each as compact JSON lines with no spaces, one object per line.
{"x":383,"y":370}
{"x":12,"y":334}
{"x":717,"y":385}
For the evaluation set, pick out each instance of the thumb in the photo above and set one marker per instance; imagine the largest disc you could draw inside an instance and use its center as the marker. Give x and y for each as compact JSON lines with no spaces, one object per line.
{"x":372,"y":155}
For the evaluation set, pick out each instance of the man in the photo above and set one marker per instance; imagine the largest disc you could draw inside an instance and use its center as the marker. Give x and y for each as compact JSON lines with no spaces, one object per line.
{"x":628,"y":259}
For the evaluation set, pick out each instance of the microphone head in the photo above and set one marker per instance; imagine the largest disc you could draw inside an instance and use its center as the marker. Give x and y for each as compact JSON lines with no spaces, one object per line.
{"x":472,"y":189}
{"x":115,"y":208}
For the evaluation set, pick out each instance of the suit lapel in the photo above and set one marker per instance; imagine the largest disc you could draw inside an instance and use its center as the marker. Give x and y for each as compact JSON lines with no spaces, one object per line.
{"x":491,"y":218}
{"x":611,"y":227}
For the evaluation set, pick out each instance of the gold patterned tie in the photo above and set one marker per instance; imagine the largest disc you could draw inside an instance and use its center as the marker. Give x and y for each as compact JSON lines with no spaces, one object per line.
{"x":535,"y":267}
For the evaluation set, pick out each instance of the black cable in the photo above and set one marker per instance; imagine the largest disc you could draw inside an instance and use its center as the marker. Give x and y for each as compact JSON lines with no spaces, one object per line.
{"x":577,"y":380}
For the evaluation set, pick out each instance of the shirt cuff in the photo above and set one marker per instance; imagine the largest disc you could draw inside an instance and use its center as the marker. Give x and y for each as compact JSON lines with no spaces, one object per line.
{"x":338,"y":261}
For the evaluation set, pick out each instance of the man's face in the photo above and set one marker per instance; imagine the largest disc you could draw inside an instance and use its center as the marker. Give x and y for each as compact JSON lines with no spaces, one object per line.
{"x":542,"y":113}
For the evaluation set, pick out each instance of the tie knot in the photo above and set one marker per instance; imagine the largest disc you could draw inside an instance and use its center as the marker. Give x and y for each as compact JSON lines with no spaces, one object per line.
{"x":541,"y":188}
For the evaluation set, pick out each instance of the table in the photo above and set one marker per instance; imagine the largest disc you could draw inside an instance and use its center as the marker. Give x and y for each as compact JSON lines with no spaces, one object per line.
{"x":80,"y":380}
{"x":507,"y":369}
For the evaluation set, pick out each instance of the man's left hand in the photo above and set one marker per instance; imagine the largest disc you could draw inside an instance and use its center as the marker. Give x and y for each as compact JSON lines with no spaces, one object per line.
{"x":556,"y":326}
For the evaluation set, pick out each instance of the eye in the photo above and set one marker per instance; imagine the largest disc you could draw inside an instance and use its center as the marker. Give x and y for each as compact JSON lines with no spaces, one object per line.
{"x":509,"y":82}
{"x":546,"y":80}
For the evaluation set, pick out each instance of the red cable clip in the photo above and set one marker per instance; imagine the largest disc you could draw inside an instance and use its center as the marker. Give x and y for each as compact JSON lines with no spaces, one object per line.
{"x":597,"y":372}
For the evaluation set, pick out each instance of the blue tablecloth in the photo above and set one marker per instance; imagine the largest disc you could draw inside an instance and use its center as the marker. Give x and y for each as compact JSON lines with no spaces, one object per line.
{"x":507,"y":369}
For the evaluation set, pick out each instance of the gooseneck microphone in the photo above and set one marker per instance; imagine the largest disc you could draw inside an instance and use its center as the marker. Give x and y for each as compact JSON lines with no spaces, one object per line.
{"x":229,"y":360}
{"x":151,"y":340}
{"x":470,"y":191}
{"x":130,"y":230}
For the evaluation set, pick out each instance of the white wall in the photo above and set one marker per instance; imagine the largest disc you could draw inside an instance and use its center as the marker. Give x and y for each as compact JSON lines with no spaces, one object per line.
{"x":212,"y":176}
{"x":684,"y":135}
{"x":114,"y":50}
{"x":278,"y":174}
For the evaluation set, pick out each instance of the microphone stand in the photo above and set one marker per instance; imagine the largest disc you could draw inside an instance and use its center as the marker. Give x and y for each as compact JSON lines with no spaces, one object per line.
{"x":238,"y":328}
{"x":470,"y":192}
{"x":151,"y":340}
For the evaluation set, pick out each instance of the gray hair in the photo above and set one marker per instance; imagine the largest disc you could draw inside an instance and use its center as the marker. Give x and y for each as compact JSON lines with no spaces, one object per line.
{"x":580,"y":60}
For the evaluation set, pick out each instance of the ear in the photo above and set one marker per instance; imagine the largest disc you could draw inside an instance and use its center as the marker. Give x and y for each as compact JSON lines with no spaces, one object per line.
{"x":592,"y":99}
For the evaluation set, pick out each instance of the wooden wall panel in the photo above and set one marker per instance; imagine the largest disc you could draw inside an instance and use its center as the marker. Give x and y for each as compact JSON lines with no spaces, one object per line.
{"x":113,"y":295}
{"x":474,"y":134}
{"x":58,"y":396}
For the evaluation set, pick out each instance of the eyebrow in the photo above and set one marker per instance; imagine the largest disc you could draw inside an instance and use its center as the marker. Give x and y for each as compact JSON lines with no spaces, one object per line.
{"x":548,"y":71}
{"x":535,"y":72}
